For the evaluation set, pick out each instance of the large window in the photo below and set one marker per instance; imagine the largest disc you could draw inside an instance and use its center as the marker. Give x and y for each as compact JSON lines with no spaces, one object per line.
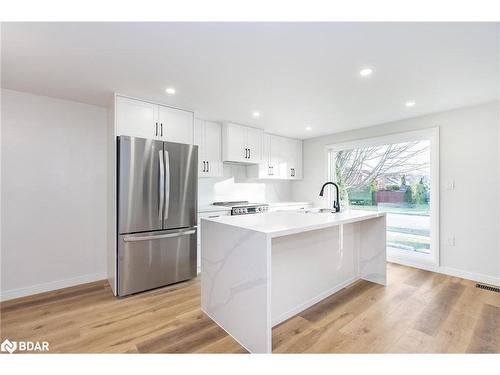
{"x":395,"y":175}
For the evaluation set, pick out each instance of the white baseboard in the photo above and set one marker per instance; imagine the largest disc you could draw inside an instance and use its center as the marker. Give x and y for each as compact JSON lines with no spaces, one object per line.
{"x":478,"y":277}
{"x":50,"y":286}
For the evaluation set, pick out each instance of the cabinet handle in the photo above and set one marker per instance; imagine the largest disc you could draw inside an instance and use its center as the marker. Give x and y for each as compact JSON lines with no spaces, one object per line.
{"x":246,"y":153}
{"x":208,"y":166}
{"x":204,"y":166}
{"x":249,"y":153}
{"x":156,"y":129}
{"x":161,"y":129}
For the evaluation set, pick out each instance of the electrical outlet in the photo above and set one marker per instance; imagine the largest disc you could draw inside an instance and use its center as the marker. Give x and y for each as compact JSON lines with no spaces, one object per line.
{"x":451,"y":241}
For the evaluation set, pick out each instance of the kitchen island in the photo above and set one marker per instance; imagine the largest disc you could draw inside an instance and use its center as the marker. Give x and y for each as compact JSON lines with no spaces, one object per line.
{"x":259,"y":270}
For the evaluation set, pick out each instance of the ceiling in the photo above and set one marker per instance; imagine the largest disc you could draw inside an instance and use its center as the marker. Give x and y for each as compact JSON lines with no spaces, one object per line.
{"x":295,"y":74}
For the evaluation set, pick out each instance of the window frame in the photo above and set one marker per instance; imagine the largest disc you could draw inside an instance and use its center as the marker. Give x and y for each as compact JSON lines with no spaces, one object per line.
{"x":430,"y":134}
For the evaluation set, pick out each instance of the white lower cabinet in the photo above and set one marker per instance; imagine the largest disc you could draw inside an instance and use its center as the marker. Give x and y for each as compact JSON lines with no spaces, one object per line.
{"x":198,"y":243}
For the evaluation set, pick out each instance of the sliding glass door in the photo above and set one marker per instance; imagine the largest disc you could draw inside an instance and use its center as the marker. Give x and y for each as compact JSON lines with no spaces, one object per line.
{"x":398,"y":175}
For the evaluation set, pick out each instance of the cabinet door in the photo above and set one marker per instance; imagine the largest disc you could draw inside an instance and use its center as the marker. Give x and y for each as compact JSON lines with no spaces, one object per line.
{"x":199,"y":137}
{"x":136,"y":118}
{"x":298,"y":160}
{"x":254,"y":144}
{"x":234,"y":139}
{"x":264,"y":167}
{"x":275,"y":156}
{"x":287,"y":157}
{"x":212,"y":145}
{"x":176,"y":125}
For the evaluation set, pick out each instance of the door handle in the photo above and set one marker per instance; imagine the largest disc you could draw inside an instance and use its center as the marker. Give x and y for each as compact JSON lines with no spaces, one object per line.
{"x":161,"y":129}
{"x":167,"y":184}
{"x":156,"y":129}
{"x":161,"y":187}
{"x":158,"y":237}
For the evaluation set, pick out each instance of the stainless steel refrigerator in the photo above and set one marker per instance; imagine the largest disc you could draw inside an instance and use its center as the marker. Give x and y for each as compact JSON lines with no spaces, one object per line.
{"x":157,"y":207}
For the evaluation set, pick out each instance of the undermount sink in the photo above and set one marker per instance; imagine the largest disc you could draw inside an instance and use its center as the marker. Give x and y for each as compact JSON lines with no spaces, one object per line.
{"x":321,"y":210}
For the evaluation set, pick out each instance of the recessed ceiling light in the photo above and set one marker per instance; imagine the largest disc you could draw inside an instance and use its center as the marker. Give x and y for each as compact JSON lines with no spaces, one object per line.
{"x":410,"y":103}
{"x":308,"y":128}
{"x":365,"y":72}
{"x":256,"y":114}
{"x":170,"y":90}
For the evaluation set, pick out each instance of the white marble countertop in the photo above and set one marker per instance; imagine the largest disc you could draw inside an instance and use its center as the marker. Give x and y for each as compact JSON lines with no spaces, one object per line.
{"x":212,"y":208}
{"x":277,"y":224}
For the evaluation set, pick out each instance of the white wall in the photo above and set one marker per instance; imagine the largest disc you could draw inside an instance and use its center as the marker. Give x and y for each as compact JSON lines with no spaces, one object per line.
{"x":53,"y":193}
{"x":469,"y":155}
{"x":234,"y":186}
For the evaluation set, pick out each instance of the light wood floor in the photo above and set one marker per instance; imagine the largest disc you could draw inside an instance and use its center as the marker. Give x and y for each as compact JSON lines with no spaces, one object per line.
{"x":417,"y":311}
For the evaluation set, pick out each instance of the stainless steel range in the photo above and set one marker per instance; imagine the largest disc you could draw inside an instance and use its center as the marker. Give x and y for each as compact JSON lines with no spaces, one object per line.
{"x":244,"y":207}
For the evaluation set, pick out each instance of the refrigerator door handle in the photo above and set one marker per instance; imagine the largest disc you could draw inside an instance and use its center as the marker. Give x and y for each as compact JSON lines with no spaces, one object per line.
{"x":167,"y":184}
{"x":158,"y":237}
{"x":161,"y":189}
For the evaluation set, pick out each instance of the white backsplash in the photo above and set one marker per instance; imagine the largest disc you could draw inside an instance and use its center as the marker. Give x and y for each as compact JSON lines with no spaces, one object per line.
{"x":236,"y":186}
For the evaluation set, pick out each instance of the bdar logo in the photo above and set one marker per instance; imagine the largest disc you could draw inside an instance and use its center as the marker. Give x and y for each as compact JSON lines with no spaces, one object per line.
{"x":8,"y":346}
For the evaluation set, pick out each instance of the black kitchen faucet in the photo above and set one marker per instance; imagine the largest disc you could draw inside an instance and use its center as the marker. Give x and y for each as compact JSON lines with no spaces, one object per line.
{"x":336,"y":203}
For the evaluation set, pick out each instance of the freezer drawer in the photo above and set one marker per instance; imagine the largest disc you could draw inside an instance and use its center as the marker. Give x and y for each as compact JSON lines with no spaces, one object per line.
{"x":154,"y":259}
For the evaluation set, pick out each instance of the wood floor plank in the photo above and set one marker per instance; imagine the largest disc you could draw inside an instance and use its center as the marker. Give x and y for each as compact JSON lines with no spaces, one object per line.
{"x":417,"y":312}
{"x":486,"y":335}
{"x":437,"y":311}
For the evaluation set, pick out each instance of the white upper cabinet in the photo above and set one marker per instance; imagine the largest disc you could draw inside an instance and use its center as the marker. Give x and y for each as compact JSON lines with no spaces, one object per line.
{"x":281,"y":159}
{"x":137,"y":118}
{"x":176,"y":125}
{"x":292,"y":156}
{"x":270,"y":165}
{"x":254,"y":144}
{"x":241,"y":144}
{"x":208,"y":136}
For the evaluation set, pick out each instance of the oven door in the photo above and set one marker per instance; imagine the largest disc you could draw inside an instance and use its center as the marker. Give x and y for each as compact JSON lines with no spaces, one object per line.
{"x":154,"y":259}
